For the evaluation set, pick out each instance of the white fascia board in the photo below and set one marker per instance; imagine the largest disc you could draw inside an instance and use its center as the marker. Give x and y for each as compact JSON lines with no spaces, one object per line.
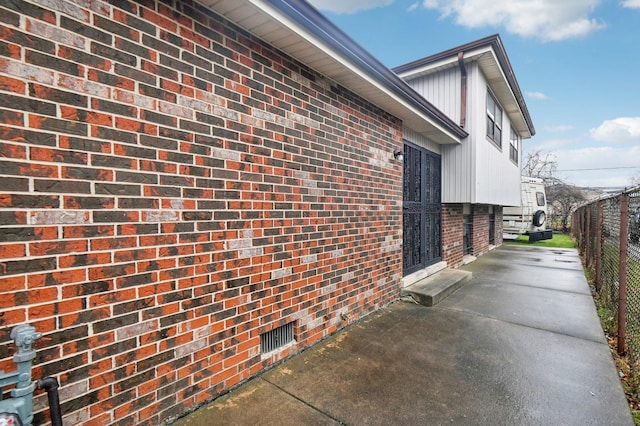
{"x":449,"y":62}
{"x":469,"y":56}
{"x":512,"y":98}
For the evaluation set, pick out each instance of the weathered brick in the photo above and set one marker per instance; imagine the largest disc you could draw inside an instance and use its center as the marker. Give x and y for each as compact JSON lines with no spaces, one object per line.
{"x":113,"y":54}
{"x":133,"y":22}
{"x":28,"y":104}
{"x":58,"y":217}
{"x":114,"y":107}
{"x":136,"y":49}
{"x":10,"y":18}
{"x":57,"y":186}
{"x":115,"y":323}
{"x":114,"y":216}
{"x":26,"y":266}
{"x":83,"y":144}
{"x":17,"y":184}
{"x":120,"y":162}
{"x":85,"y":30}
{"x":188,"y":195}
{"x":157,"y":93}
{"x":130,"y":73}
{"x":53,"y":63}
{"x":47,"y":248}
{"x":92,"y":61}
{"x":29,"y":201}
{"x":112,"y":27}
{"x":8,"y":251}
{"x":30,"y":10}
{"x":166,"y":75}
{"x":57,"y":125}
{"x":107,"y":78}
{"x":9,"y":117}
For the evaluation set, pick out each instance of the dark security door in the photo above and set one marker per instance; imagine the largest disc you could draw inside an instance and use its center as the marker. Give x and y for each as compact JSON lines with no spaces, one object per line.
{"x":422,"y":208}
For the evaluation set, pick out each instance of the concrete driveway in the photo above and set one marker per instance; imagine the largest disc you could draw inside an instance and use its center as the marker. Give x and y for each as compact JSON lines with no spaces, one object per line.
{"x":519,"y":344}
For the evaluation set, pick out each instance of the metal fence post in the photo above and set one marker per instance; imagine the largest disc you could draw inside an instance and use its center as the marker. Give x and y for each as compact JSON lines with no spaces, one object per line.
{"x":580,"y":230}
{"x":588,"y":236}
{"x":599,"y":224}
{"x":622,"y":274}
{"x":583,"y":230}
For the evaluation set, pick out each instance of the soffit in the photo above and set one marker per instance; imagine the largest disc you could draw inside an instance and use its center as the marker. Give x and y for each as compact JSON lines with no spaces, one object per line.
{"x":493,"y":72}
{"x":265,"y":21}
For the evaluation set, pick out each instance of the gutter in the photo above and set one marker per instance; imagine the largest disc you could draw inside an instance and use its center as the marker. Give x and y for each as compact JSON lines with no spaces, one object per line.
{"x":309,"y":18}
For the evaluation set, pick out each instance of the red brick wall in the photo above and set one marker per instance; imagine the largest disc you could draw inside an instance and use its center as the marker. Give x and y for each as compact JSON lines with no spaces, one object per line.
{"x":172,"y":188}
{"x":452,"y":235}
{"x":499,"y":230}
{"x":479,"y":229}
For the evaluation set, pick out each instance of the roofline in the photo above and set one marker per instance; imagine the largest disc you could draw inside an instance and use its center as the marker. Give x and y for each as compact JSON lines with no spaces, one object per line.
{"x":494,"y":42}
{"x":307,"y":16}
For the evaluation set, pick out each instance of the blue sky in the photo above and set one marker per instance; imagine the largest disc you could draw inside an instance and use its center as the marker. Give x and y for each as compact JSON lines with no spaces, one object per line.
{"x":576,"y":61}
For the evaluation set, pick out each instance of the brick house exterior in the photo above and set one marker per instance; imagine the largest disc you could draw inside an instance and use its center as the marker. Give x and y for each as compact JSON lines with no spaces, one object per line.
{"x":175,"y":188}
{"x":452,"y":234}
{"x":475,"y":85}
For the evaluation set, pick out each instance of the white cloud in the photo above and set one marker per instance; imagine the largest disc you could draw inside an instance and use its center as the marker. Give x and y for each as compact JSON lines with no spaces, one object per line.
{"x":537,"y":95}
{"x":631,"y":4}
{"x":545,"y":19}
{"x":623,"y":129}
{"x":551,"y":145}
{"x":349,"y":6}
{"x":599,"y":166}
{"x":413,"y":7}
{"x":559,"y":128}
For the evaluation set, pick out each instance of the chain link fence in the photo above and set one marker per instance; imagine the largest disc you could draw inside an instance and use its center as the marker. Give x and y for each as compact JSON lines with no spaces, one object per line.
{"x":608,"y":236}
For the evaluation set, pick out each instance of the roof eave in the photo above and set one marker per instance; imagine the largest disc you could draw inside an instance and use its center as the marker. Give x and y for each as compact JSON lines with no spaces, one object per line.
{"x":305,"y":34}
{"x":474,"y":50}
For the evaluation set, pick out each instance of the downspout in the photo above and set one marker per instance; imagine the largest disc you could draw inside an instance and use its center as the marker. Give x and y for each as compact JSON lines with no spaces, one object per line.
{"x":463,"y":90}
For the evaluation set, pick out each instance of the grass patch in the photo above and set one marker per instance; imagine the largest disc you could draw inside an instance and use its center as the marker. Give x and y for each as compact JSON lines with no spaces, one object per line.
{"x":558,"y":241}
{"x":607,"y":319}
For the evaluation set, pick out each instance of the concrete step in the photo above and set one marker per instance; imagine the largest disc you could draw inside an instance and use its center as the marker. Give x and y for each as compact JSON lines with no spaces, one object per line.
{"x":435,"y":288}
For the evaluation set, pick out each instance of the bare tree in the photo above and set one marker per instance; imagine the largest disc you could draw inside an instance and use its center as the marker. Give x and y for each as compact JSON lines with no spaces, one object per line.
{"x":540,"y":164}
{"x":563,"y":199}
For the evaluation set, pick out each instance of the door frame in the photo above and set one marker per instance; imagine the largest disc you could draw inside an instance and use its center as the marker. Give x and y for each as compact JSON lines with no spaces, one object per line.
{"x":424,"y":248}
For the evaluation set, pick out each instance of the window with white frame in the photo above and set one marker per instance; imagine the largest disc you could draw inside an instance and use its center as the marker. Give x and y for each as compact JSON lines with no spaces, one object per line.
{"x":514,"y":142}
{"x":494,"y":120}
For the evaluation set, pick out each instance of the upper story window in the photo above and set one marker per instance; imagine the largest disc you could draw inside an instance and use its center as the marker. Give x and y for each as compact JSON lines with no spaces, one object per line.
{"x":514,"y":142}
{"x":494,"y":120}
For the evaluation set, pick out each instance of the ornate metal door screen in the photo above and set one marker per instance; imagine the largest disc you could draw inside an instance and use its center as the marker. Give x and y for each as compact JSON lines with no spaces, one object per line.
{"x":422,"y":208}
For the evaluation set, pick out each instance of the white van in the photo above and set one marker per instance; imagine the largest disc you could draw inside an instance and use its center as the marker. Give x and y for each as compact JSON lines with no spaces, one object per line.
{"x":530,"y":218}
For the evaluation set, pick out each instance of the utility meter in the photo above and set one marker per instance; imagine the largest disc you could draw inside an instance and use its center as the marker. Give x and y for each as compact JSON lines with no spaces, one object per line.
{"x":10,"y":419}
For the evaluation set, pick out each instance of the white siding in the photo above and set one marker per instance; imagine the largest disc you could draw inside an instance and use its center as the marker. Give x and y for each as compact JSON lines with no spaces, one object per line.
{"x":458,"y":165}
{"x":416,"y":138}
{"x":497,"y":179}
{"x":475,"y":171}
{"x":457,"y":172}
{"x":442,"y":89}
